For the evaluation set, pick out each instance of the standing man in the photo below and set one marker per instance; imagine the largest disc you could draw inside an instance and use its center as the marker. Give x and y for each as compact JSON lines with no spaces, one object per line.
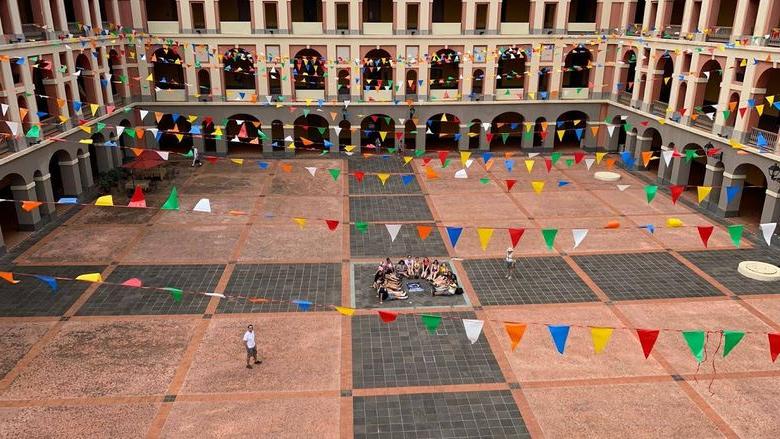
{"x":510,"y":262}
{"x":251,"y":347}
{"x":196,"y":157}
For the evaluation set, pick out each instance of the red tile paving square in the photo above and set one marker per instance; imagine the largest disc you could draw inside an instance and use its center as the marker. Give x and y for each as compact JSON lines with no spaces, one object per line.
{"x":769,"y":306}
{"x":536,"y":358}
{"x":314,"y":243}
{"x":121,"y":420}
{"x":633,"y":201}
{"x":750,"y":406}
{"x":237,"y":181}
{"x":686,"y":237}
{"x":619,"y":411}
{"x":221,"y":206}
{"x":299,"y":180}
{"x":92,"y":244}
{"x":569,"y":203}
{"x":299,"y":351}
{"x":279,"y":417}
{"x":185,"y":244}
{"x":16,"y":339}
{"x":277,"y":209}
{"x":459,"y":207}
{"x":626,"y":238}
{"x":469,"y":246}
{"x":105,"y":358}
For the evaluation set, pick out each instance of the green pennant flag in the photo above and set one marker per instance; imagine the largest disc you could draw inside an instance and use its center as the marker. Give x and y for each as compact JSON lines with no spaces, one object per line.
{"x":189,"y":154}
{"x":175,"y":293}
{"x":34,"y":131}
{"x":262,"y":135}
{"x":549,"y":237}
{"x":99,"y":127}
{"x":569,"y":163}
{"x":419,"y":152}
{"x":735,"y":231}
{"x":130,"y":133}
{"x":504,"y":136}
{"x":391,"y":150}
{"x":484,"y":180}
{"x":335,"y":173}
{"x":528,"y":135}
{"x":695,"y":340}
{"x":446,"y":163}
{"x":322,"y":130}
{"x":690,"y":155}
{"x":431,"y":322}
{"x":361,"y":226}
{"x":554,"y":157}
{"x":731,"y":340}
{"x":306,"y":112}
{"x":172,"y":203}
{"x":389,"y":119}
{"x":628,"y":127}
{"x":726,"y":114}
{"x":650,"y":191}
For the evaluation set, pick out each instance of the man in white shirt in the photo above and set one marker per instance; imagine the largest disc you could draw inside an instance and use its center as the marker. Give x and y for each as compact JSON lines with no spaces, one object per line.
{"x":510,"y":262}
{"x":251,"y":347}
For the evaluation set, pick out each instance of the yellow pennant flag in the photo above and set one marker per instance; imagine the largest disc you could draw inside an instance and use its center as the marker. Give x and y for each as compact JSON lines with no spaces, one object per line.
{"x":600,"y":156}
{"x":382,"y":135}
{"x":760,"y":109}
{"x":408,"y":159}
{"x":529,"y":164}
{"x":703,"y":192}
{"x":87,"y":141}
{"x":484,"y":237}
{"x":86,"y":129}
{"x":674,"y":222}
{"x":464,"y":157}
{"x":560,"y":134}
{"x":538,"y":185}
{"x":94,"y":108}
{"x":646,"y":156}
{"x":239,"y":162}
{"x":600,"y":338}
{"x":300,"y":221}
{"x":345,"y":311}
{"x":105,"y":200}
{"x":770,"y":99}
{"x":349,"y":148}
{"x":383,"y":178}
{"x":90,"y":277}
{"x":179,"y":137}
{"x":150,"y":77}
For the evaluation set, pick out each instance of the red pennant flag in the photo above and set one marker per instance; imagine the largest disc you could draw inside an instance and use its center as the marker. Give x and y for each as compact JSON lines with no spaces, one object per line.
{"x":677,"y":190}
{"x":426,"y":160}
{"x":387,"y":316}
{"x":647,"y":338}
{"x":359,"y":176}
{"x":682,"y":111}
{"x":510,"y":184}
{"x":742,"y":111}
{"x":644,"y":124}
{"x":489,"y":137}
{"x":548,"y":164}
{"x":332,"y":224}
{"x":774,"y":345}
{"x":515,"y":235}
{"x":211,"y":159}
{"x":578,"y":156}
{"x":137,"y":200}
{"x":704,"y":233}
{"x":424,"y":231}
{"x":443,"y":157}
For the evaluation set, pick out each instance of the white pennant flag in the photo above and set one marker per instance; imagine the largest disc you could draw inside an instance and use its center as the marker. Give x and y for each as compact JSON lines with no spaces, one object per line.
{"x":707,"y":74}
{"x":473,"y":329}
{"x":288,"y":139}
{"x":461,"y":174}
{"x":119,"y":130}
{"x":5,"y":108}
{"x":202,"y":206}
{"x":469,"y":162}
{"x":14,"y":127}
{"x":667,"y":155}
{"x":767,"y":229}
{"x":579,"y":235}
{"x":153,"y":131}
{"x":163,"y":154}
{"x":486,"y":126}
{"x":337,"y":130}
{"x":346,"y":104}
{"x":312,"y":170}
{"x":589,"y":163}
{"x":532,"y":154}
{"x":623,"y":187}
{"x":610,"y":129}
{"x":393,"y":230}
{"x":143,"y":113}
{"x":402,"y":120}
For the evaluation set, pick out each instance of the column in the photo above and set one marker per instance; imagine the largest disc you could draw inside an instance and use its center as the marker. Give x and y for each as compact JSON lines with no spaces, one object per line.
{"x":647,"y":19}
{"x":638,"y":85}
{"x":355,"y":17}
{"x":190,"y":76}
{"x":185,"y":16}
{"x":282,"y":17}
{"x":71,"y":178}
{"x":538,"y":19}
{"x":763,"y":26}
{"x":726,"y":208}
{"x":98,"y":16}
{"x":104,"y":157}
{"x":469,"y":18}
{"x":725,"y":92}
{"x":12,"y":114}
{"x":137,"y":14}
{"x":591,"y":142}
{"x":85,"y":169}
{"x":489,"y":82}
{"x":210,"y":10}
{"x":674,"y":96}
{"x":354,"y":139}
{"x":738,"y":28}
{"x":463,"y":141}
{"x":258,"y":17}
{"x":16,"y":21}
{"x":48,"y":20}
{"x":713,"y":177}
{"x":704,"y":20}
{"x":424,"y":15}
{"x":557,"y":77}
{"x":32,"y":104}
{"x":420,"y":140}
{"x":116,"y":17}
{"x":27,"y":220}
{"x":493,"y":17}
{"x":771,"y":211}
{"x":561,"y":16}
{"x":681,"y":170}
{"x":662,"y":15}
{"x":400,"y":16}
{"x":598,"y":77}
{"x":647,"y":101}
{"x":533,"y":76}
{"x":741,"y":128}
{"x":606,"y":11}
{"x":642,"y":144}
{"x":686,"y":21}
{"x":44,"y":192}
{"x":61,"y":19}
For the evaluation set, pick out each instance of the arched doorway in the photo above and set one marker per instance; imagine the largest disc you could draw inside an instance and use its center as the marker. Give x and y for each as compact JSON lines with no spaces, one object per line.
{"x":308,"y":70}
{"x":441,"y":132}
{"x":751,"y":204}
{"x":697,"y":164}
{"x":345,"y":134}
{"x":173,"y":135}
{"x":277,"y":135}
{"x":204,"y":83}
{"x":86,"y":90}
{"x":540,"y":132}
{"x":570,"y":130}
{"x":507,"y":130}
{"x":477,"y":84}
{"x":98,"y":142}
{"x":666,"y":65}
{"x":207,"y":131}
{"x":113,"y":61}
{"x":242,"y":132}
{"x":9,"y":212}
{"x":411,"y":84}
{"x":763,"y":128}
{"x":576,"y":71}
{"x":708,"y":93}
{"x":474,"y":131}
{"x":310,"y":133}
{"x":167,"y":69}
{"x":377,"y":73}
{"x":378,"y":131}
{"x":410,"y":134}
{"x":344,"y":85}
{"x":445,"y":70}
{"x":57,"y":183}
{"x":239,"y":68}
{"x":655,"y":147}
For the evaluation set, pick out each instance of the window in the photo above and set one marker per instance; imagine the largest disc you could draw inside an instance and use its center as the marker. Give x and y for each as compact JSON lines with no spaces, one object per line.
{"x":412,"y":15}
{"x":234,"y":10}
{"x":446,"y":11}
{"x":161,"y":10}
{"x":377,"y":11}
{"x":342,"y":54}
{"x":479,"y":53}
{"x":481,"y":17}
{"x":412,"y":52}
{"x":272,"y":53}
{"x":309,"y":11}
{"x":515,"y":11}
{"x":342,"y":16}
{"x":198,"y":16}
{"x":271,"y":19}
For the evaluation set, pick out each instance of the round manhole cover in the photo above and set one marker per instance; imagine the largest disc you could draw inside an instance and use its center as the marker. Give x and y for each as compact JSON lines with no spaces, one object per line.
{"x":606,"y":176}
{"x":762,"y":268}
{"x":759,"y":270}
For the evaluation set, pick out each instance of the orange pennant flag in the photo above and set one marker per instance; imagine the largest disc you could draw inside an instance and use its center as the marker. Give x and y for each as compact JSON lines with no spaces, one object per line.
{"x":611,"y":163}
{"x":30,"y":205}
{"x":424,"y":231}
{"x":9,"y":277}
{"x":515,"y":331}
{"x":646,"y":156}
{"x":430,"y":173}
{"x":286,"y":167}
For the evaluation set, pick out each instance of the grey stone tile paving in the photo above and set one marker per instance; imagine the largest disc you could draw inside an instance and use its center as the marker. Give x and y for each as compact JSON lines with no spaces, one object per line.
{"x":404,"y":353}
{"x":281,"y":284}
{"x":644,"y":276}
{"x":487,"y":414}
{"x":120,"y":300}
{"x":365,"y":296}
{"x":371,"y":185}
{"x":546,"y":279}
{"x":34,"y":298}
{"x":376,"y":242}
{"x":722,"y":265}
{"x":391,"y":208}
{"x":379,"y":163}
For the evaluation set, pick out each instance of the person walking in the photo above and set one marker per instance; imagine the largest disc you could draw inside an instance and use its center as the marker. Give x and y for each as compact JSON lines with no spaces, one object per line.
{"x":196,"y":157}
{"x":251,"y":346}
{"x":510,"y":262}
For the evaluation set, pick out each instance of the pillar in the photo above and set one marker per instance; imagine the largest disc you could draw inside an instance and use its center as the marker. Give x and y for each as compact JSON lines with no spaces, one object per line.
{"x":592,"y":142}
{"x":713,"y":177}
{"x":726,"y":208}
{"x":16,"y":21}
{"x":354,"y":132}
{"x":420,"y":140}
{"x":105,"y":159}
{"x":463,"y":141}
{"x":85,"y":169}
{"x":642,"y":144}
{"x":738,"y":27}
{"x":44,"y":192}
{"x":71,"y":178}
{"x":27,"y":220}
{"x":771,"y":212}
{"x":681,"y":170}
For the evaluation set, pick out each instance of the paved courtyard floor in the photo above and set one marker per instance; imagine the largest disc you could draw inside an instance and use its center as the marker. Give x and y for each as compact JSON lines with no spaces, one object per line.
{"x":99,"y":360}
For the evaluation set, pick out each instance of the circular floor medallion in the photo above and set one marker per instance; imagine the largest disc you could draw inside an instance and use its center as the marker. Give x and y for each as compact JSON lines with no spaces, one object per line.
{"x":759,"y":271}
{"x":606,"y":176}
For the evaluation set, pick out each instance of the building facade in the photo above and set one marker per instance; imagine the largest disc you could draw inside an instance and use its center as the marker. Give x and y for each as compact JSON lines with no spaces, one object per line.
{"x":232,"y":76}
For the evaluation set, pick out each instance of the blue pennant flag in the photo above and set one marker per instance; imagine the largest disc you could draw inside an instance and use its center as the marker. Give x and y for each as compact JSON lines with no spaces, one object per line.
{"x":579,"y":131}
{"x":68,"y":200}
{"x":406,"y":179}
{"x":52,"y":282}
{"x":262,"y":165}
{"x":195,"y":129}
{"x":486,"y":156}
{"x":559,"y":335}
{"x":327,"y":143}
{"x":509,"y":164}
{"x":628,"y":159}
{"x":454,"y":234}
{"x":732,"y":192}
{"x":76,"y":105}
{"x":562,"y":183}
{"x":761,"y":141}
{"x":457,"y":137}
{"x":303,"y":305}
{"x":650,"y":228}
{"x":175,"y":116}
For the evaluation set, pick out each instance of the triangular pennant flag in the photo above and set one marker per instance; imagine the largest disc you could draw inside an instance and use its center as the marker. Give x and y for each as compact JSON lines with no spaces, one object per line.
{"x":704,"y":233}
{"x":133,"y":282}
{"x":90,"y":277}
{"x":647,"y":338}
{"x":548,"y":164}
{"x":175,"y":293}
{"x":332,"y":224}
{"x":303,"y":305}
{"x":300,"y":221}
{"x":8,"y":277}
{"x":461,"y":173}
{"x":424,"y":231}
{"x":559,"y":335}
{"x":774,"y":345}
{"x":650,"y":191}
{"x":406,"y":179}
{"x":600,"y":156}
{"x":589,"y":163}
{"x":767,"y":230}
{"x":105,"y":200}
{"x":702,"y":192}
{"x":408,"y":159}
{"x":730,"y":340}
{"x":731,"y":192}
{"x":172,"y":203}
{"x":335,"y":173}
{"x":515,"y":235}
{"x":676,"y":191}
{"x":137,"y":200}
{"x":464,"y":156}
{"x":529,"y":164}
{"x":538,"y":185}
{"x":646,"y":156}
{"x":454,"y":234}
{"x":600,"y":337}
{"x":484,"y":237}
{"x":510,"y":184}
{"x":312,"y":170}
{"x":695,"y":341}
{"x":735,"y":232}
{"x":203,"y":205}
{"x":383,"y":177}
{"x":515,"y":332}
{"x":361,"y":226}
{"x":549,"y":237}
{"x":48,"y":280}
{"x":431,"y":322}
{"x":578,"y":235}
{"x":473,"y":329}
{"x":623,"y":187}
{"x":345,"y":311}
{"x":28,"y":206}
{"x":393,"y":230}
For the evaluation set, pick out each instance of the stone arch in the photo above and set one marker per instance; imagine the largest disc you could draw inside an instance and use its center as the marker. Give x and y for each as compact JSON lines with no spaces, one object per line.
{"x":697,"y":166}
{"x":441,"y":132}
{"x":174,"y":135}
{"x":477,"y":84}
{"x":204,"y":82}
{"x":86,"y":87}
{"x":311,"y":132}
{"x":114,"y":60}
{"x":377,"y":128}
{"x":753,"y":195}
{"x":570,"y":130}
{"x":61,"y":182}
{"x":11,"y":220}
{"x":343,"y":84}
{"x":767,"y":124}
{"x":651,"y":141}
{"x":511,"y":69}
{"x":628,"y":76}
{"x":665,"y":64}
{"x":167,"y":69}
{"x":242,"y":132}
{"x":40,"y":71}
{"x":708,"y":93}
{"x":239,"y":69}
{"x":507,"y":129}
{"x":576,"y":72}
{"x":411,"y":82}
{"x":732,"y":119}
{"x":345,"y":134}
{"x":309,"y":70}
{"x":445,"y":70}
{"x":377,"y":70}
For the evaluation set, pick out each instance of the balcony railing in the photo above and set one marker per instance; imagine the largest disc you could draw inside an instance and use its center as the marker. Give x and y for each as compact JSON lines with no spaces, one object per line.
{"x":33,"y":32}
{"x":659,"y":108}
{"x":703,"y":122}
{"x":770,"y":137}
{"x":719,"y":34}
{"x":672,"y":31}
{"x":624,"y":97}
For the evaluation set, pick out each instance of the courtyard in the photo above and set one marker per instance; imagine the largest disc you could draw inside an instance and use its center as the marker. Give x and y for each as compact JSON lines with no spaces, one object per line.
{"x":100,"y":359}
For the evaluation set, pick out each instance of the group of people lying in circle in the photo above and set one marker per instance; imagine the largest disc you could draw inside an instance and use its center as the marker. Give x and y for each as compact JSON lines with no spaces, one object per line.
{"x":389,"y":277}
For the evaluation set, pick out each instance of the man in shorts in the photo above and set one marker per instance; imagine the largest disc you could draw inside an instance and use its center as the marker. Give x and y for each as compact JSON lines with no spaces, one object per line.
{"x":251,"y":347}
{"x":510,"y":262}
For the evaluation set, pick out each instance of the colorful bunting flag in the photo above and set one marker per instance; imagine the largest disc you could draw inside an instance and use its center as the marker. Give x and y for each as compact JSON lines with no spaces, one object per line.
{"x":647,"y":338}
{"x":735,"y":232}
{"x":484,"y":237}
{"x":730,"y":340}
{"x":172,"y":203}
{"x":549,"y":237}
{"x":454,"y":235}
{"x":431,"y":322}
{"x":695,"y":341}
{"x":559,"y":335}
{"x":515,"y":332}
{"x":473,"y":329}
{"x":600,"y":337}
